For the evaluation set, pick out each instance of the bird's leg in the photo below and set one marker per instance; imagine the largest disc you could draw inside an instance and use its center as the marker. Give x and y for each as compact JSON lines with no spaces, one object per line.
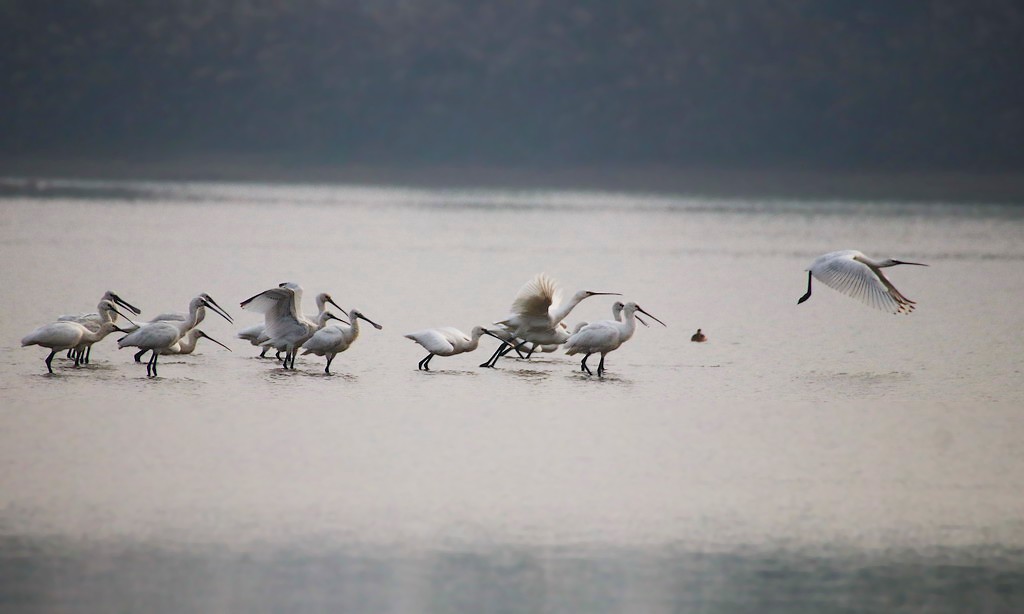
{"x":808,"y":295}
{"x":149,"y":363}
{"x":88,"y":353}
{"x":327,"y":369}
{"x":78,"y":357}
{"x":583,"y":365}
{"x":49,"y":359}
{"x":138,"y":355}
{"x":530,"y":353}
{"x":600,"y":367}
{"x":263,"y":354}
{"x":156,"y":355}
{"x":278,"y":354}
{"x":494,"y":357}
{"x":419,"y":365}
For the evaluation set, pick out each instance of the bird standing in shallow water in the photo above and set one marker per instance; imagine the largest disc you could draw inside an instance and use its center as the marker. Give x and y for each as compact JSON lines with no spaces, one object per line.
{"x":536,"y":313}
{"x":64,"y":335}
{"x":448,"y":341}
{"x":854,"y":274}
{"x":332,"y":340}
{"x":92,"y":321}
{"x":605,"y":336}
{"x":164,"y":334}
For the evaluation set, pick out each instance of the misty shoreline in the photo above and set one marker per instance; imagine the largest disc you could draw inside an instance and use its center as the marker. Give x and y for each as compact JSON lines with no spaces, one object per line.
{"x":1005,"y":187}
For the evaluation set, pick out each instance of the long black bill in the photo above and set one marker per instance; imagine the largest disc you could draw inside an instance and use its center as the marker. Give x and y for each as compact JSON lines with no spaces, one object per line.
{"x":640,"y":309}
{"x":375,"y":325}
{"x":330,"y":316}
{"x":118,"y":312}
{"x":202,"y":334}
{"x":913,"y":263}
{"x":120,"y":301}
{"x":340,"y":308}
{"x":212,"y":304}
{"x":503,"y":341}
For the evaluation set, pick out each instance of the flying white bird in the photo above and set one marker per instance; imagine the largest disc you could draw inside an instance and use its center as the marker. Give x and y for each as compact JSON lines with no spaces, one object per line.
{"x":448,"y":341}
{"x":164,"y":334}
{"x":187,"y":344}
{"x":536,"y":312}
{"x":604,"y":336}
{"x":332,"y":340}
{"x":92,"y":321}
{"x":64,"y":334}
{"x":856,"y":275}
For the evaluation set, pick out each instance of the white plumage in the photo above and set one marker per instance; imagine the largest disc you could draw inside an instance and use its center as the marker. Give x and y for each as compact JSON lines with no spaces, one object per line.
{"x":162,"y":335}
{"x":604,"y":336}
{"x":856,"y":275}
{"x":330,"y":341}
{"x":65,"y":335}
{"x":448,"y":341}
{"x":536,"y":313}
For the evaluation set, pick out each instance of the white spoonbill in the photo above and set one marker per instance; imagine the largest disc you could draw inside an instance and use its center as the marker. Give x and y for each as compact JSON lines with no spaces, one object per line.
{"x":448,"y":341}
{"x":536,"y":312}
{"x":187,"y":344}
{"x":605,"y":336}
{"x":64,"y":335}
{"x":176,"y":316}
{"x":92,"y":321}
{"x":332,"y":340}
{"x":286,"y":328}
{"x":854,"y":274}
{"x":164,"y":334}
{"x":97,"y":317}
{"x":256,"y":334}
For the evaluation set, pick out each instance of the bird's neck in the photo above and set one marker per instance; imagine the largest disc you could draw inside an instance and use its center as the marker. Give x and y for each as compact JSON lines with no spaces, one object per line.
{"x":563,"y":310}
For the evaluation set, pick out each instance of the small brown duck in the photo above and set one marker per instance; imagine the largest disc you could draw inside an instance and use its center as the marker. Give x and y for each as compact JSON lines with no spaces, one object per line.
{"x":699,"y":337}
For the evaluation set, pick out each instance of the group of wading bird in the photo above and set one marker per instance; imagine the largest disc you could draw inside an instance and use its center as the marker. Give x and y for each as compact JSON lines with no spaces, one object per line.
{"x":535,"y":321}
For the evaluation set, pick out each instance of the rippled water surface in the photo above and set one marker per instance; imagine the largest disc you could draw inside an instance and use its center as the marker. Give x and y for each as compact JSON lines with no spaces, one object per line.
{"x":820,"y":457}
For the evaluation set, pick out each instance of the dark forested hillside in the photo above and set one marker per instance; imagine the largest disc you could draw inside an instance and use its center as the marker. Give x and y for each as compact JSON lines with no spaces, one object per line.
{"x":827,"y":84}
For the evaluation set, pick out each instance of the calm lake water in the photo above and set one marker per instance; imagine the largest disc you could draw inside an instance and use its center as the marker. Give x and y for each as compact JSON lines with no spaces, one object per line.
{"x":824,"y":457}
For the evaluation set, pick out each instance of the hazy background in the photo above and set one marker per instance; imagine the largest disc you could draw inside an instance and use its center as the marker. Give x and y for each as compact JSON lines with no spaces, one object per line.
{"x":233,"y":88}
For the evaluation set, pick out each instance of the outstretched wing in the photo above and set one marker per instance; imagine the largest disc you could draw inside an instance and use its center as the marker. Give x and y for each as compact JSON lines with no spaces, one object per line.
{"x":277,"y":306}
{"x":530,"y":309}
{"x":856,"y":279}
